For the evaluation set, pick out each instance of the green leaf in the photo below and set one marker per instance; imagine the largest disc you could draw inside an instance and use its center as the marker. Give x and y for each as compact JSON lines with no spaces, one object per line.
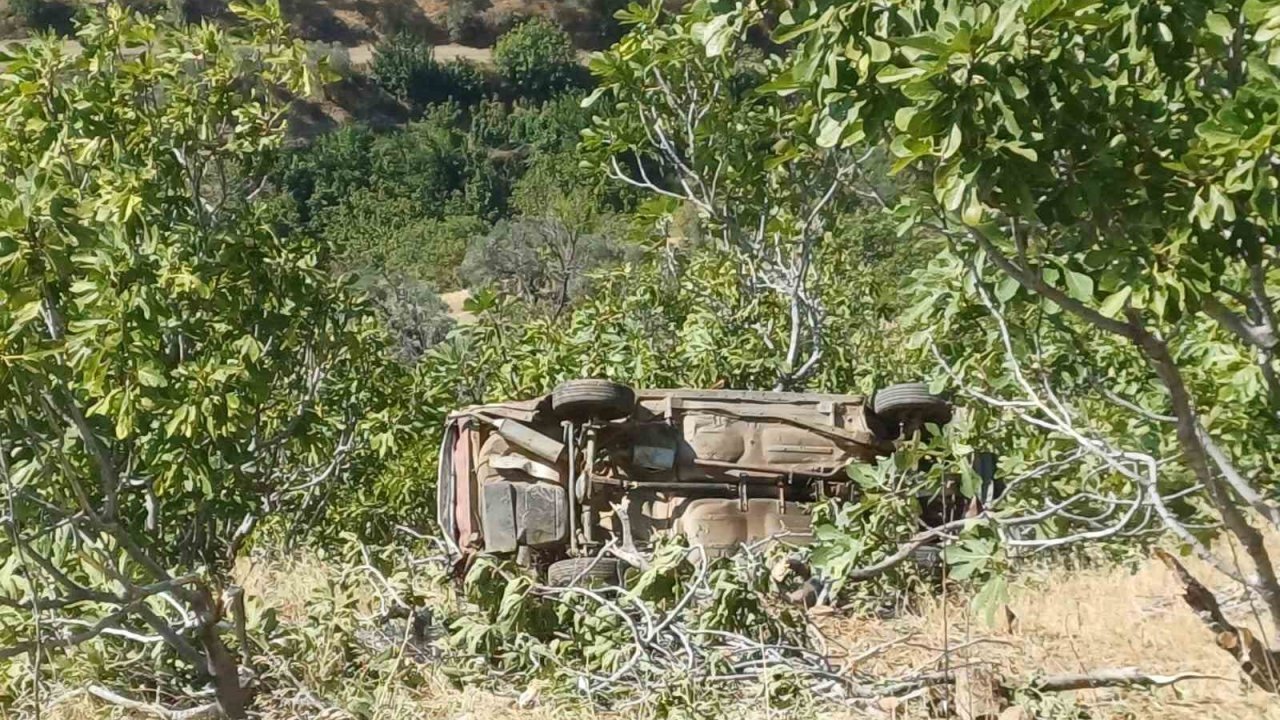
{"x":953,"y":141}
{"x":892,"y":74}
{"x":993,"y":595}
{"x":973,"y":212}
{"x":880,"y":51}
{"x":1079,"y":286}
{"x":865,"y":476}
{"x":1115,"y":301}
{"x":970,"y":482}
{"x":1219,"y":25}
{"x":1006,"y":288}
{"x":595,"y":95}
{"x":714,"y":35}
{"x":1023,"y":151}
{"x":151,"y":376}
{"x":829,"y":131}
{"x":968,"y":556}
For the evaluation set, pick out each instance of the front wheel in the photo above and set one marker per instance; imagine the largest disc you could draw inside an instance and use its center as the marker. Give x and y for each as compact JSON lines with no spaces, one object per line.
{"x":908,"y":404}
{"x":592,"y":400}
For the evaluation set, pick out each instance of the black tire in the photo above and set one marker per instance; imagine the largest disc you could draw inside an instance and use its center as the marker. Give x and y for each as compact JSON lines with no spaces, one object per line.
{"x":899,"y":403}
{"x":592,"y":399}
{"x":587,"y":572}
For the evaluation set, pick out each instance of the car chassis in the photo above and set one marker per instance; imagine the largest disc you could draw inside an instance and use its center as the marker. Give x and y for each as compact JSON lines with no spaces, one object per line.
{"x":551,"y":480}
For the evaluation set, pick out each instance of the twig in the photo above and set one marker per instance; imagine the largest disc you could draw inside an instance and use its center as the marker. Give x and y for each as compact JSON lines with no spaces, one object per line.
{"x":1112,"y":677}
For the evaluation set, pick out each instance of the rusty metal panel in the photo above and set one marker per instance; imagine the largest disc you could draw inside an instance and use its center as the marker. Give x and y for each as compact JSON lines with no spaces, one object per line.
{"x":722,"y":524}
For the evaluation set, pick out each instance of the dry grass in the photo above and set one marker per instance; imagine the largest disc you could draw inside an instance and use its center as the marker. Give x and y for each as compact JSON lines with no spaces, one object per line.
{"x":1074,"y":621}
{"x":1061,"y":621}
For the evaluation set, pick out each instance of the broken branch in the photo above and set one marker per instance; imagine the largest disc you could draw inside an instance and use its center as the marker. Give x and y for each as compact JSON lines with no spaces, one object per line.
{"x":1258,"y":662}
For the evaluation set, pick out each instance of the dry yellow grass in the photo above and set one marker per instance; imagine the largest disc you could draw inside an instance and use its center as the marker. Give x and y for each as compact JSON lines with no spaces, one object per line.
{"x":1062,"y":621}
{"x":1069,"y":622}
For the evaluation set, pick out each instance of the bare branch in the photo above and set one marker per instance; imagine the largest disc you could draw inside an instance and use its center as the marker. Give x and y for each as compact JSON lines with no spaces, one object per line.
{"x":1258,"y":336}
{"x":1260,"y":664}
{"x":107,"y":622}
{"x":202,"y":712}
{"x":1112,"y":677}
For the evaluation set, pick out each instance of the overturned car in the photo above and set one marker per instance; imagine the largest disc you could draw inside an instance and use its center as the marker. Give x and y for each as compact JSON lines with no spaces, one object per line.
{"x":551,"y":480}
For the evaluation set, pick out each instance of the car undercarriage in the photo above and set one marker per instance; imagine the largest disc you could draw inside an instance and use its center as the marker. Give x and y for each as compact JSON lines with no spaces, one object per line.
{"x":553,"y":479}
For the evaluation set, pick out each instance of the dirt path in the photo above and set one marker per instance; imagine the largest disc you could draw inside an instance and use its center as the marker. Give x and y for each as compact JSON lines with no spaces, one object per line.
{"x":363,"y":54}
{"x":455,"y":301}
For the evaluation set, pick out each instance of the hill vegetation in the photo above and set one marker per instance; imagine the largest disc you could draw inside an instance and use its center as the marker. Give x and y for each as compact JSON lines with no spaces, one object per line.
{"x":590,"y":24}
{"x":225,"y":364}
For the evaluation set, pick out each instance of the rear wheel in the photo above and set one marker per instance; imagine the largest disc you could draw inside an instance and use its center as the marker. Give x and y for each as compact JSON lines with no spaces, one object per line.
{"x":592,"y":400}
{"x":584,"y":572}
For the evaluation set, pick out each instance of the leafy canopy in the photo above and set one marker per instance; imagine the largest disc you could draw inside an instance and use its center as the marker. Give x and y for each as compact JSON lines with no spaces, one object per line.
{"x":173,"y":373}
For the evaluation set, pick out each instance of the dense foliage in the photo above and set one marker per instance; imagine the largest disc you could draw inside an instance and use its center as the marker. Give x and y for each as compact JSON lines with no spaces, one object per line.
{"x":1104,"y":175}
{"x":177,"y":378}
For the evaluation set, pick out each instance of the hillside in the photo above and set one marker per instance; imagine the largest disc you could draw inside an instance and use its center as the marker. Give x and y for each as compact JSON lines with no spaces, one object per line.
{"x":473,"y":23}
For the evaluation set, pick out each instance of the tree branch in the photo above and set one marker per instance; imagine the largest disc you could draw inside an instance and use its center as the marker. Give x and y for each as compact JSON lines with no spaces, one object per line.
{"x":1258,"y":336}
{"x":1259,"y":663}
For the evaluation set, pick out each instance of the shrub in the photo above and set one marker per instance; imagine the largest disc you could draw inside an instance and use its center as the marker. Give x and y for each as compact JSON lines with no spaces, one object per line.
{"x":436,"y":163}
{"x":427,"y":161}
{"x":543,"y":260}
{"x":405,"y":66}
{"x":554,"y":126}
{"x":324,"y":173}
{"x":537,"y":60}
{"x":410,"y":310}
{"x":392,"y":236}
{"x":400,"y":63}
{"x":461,"y":81}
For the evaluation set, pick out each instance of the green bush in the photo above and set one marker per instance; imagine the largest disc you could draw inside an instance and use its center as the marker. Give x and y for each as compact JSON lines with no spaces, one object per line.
{"x":537,"y":60}
{"x":427,"y":161}
{"x":327,"y":171}
{"x":405,"y":66}
{"x":391,"y":235}
{"x":440,"y":163}
{"x":410,"y":310}
{"x":400,"y":63}
{"x":461,"y":81}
